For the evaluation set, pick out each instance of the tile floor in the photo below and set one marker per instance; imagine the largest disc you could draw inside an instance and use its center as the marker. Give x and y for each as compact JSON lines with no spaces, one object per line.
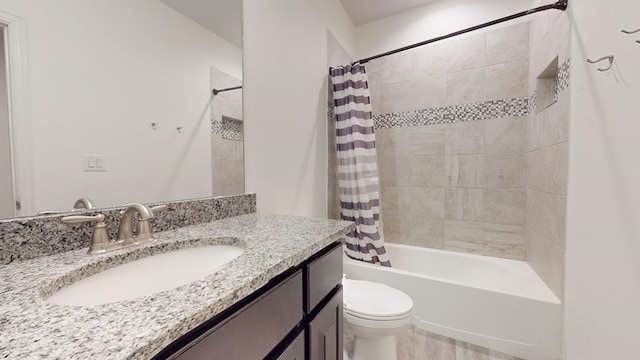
{"x":417,"y":344}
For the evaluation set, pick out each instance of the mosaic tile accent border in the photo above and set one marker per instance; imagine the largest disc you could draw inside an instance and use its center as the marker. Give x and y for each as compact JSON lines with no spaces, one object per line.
{"x":521,"y":106}
{"x":32,"y":237}
{"x":533,"y":102}
{"x":564,"y":76}
{"x":230,"y":129}
{"x":456,"y":113}
{"x":216,"y":127}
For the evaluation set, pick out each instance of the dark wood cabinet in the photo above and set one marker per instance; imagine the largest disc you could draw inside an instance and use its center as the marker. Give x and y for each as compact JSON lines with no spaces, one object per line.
{"x":253,"y":331}
{"x":325,"y":331}
{"x":295,"y":350}
{"x":323,"y":305}
{"x":323,"y":274}
{"x":297,"y":316}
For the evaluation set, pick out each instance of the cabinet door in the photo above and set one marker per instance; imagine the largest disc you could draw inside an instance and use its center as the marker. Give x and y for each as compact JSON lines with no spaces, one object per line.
{"x":325,"y":331}
{"x":295,"y":351}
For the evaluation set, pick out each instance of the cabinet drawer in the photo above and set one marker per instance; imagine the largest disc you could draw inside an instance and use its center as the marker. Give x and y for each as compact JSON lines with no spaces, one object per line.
{"x":323,"y":275}
{"x":255,"y":330}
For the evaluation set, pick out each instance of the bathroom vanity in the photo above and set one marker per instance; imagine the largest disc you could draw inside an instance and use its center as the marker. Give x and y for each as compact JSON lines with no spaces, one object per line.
{"x":280,"y":299}
{"x":273,"y":322}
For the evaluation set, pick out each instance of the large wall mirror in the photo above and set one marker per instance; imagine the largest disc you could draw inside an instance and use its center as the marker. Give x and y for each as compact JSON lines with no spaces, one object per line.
{"x":111,"y":101}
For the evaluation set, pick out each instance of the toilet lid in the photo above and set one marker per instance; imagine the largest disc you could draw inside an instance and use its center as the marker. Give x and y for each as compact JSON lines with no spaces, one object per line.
{"x":371,"y":300}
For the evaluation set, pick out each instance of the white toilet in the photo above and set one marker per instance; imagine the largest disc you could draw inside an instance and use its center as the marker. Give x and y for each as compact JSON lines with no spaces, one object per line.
{"x":374,"y":314}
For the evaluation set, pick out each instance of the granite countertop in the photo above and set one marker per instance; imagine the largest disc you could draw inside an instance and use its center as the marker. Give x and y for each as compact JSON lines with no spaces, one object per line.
{"x":140,"y":328}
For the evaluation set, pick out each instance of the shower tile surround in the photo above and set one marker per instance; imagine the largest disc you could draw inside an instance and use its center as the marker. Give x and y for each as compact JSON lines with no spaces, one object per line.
{"x":32,"y":237}
{"x":479,"y":174}
{"x":522,"y":106}
{"x":453,"y":176}
{"x":227,"y":139}
{"x":547,"y":152}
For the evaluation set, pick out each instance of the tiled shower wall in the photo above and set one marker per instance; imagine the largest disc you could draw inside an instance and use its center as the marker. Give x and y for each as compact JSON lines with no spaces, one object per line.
{"x":467,"y":160}
{"x":458,"y":180}
{"x":227,"y":143}
{"x":547,"y":151}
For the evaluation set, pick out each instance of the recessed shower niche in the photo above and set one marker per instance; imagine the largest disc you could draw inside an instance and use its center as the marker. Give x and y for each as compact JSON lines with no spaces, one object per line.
{"x":547,"y":86}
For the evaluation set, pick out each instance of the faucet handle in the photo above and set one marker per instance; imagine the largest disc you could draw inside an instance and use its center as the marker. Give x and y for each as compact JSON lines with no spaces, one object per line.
{"x":77,"y":219}
{"x":153,"y":209}
{"x":49,"y":212}
{"x":144,"y":229}
{"x":100,"y":237}
{"x":158,"y":208}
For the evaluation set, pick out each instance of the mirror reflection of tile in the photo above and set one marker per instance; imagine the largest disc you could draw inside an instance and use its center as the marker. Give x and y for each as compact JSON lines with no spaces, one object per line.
{"x":227,"y":139}
{"x":231,"y":129}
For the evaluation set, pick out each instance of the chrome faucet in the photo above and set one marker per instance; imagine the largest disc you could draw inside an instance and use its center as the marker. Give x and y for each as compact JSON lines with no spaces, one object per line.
{"x":143,"y":231}
{"x":100,"y":242}
{"x":84,"y":203}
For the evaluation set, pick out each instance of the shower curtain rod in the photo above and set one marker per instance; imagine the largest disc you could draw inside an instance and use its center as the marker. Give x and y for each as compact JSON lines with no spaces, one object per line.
{"x":560,"y":5}
{"x":216,"y":91}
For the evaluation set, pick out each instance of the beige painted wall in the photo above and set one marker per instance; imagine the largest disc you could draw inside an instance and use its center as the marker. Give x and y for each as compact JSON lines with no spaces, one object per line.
{"x":602,"y":291}
{"x":285,"y":92}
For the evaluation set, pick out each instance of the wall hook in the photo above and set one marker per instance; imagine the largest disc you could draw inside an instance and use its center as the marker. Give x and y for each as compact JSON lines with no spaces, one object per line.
{"x":154,"y":125}
{"x":631,"y":32}
{"x":610,"y":58}
{"x":179,"y":128}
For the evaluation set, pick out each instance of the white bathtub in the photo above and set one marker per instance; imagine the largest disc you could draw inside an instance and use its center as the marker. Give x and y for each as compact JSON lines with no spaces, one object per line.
{"x":496,"y":303}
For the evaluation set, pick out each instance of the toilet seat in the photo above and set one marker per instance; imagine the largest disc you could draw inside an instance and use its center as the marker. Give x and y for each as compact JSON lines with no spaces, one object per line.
{"x":374,"y":301}
{"x":376,"y":318}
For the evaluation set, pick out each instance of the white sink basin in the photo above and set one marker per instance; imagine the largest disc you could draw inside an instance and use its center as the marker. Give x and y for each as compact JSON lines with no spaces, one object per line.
{"x":146,"y":276}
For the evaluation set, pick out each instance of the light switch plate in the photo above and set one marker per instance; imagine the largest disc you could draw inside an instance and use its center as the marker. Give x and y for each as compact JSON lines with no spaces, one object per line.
{"x":94,"y":162}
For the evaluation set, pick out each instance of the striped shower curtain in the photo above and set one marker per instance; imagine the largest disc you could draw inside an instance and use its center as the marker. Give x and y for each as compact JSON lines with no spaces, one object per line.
{"x":357,"y":166}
